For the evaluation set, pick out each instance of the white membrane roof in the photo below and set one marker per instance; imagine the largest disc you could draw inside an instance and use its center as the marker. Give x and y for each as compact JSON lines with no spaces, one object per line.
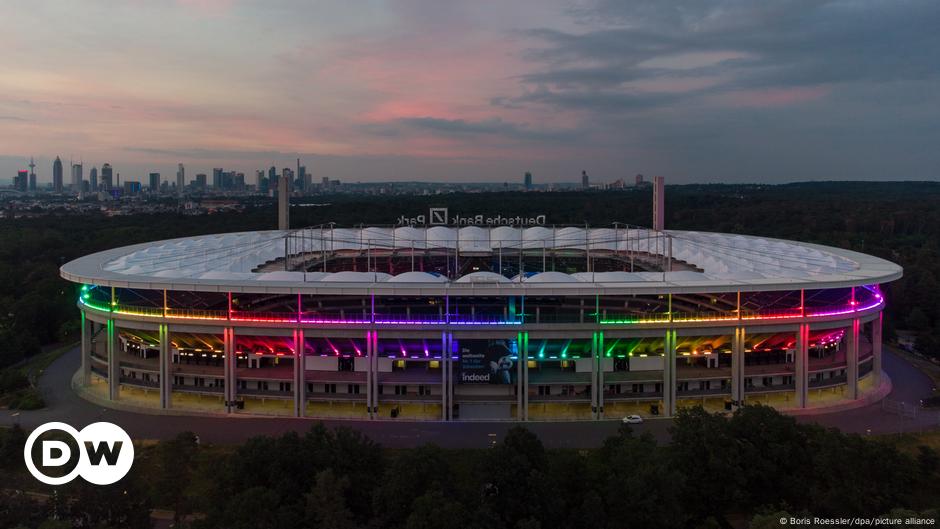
{"x":228,"y":262}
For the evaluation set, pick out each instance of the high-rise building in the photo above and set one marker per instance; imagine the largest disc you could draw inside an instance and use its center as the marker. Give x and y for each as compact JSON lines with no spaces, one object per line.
{"x":107,"y":177}
{"x":57,"y":175}
{"x":93,"y":180}
{"x":32,"y":174}
{"x":131,"y":187}
{"x":528,"y":180}
{"x":217,"y":178}
{"x":585,"y":182}
{"x":77,"y":178}
{"x":180,"y":179}
{"x":200,"y":181}
{"x":154,"y":182}
{"x":303,"y":180}
{"x":639,"y":181}
{"x":21,"y":181}
{"x":272,"y":177}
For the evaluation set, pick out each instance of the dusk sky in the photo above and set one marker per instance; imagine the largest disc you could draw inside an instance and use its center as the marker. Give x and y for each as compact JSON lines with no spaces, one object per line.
{"x":724,"y":91}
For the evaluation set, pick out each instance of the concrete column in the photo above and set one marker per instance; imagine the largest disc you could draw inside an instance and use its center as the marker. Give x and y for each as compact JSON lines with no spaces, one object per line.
{"x":114,"y":364}
{"x":369,"y":354}
{"x":801,"y":366}
{"x":300,"y":386}
{"x":669,"y":373}
{"x":445,"y":375}
{"x":283,"y":203}
{"x":600,"y":374}
{"x":525,"y":376}
{"x":374,"y":367}
{"x":166,"y":382}
{"x":737,"y":366}
{"x":851,"y":362}
{"x":87,"y":332}
{"x":520,"y":387}
{"x":595,"y":362}
{"x":228,"y":359}
{"x":449,"y":355}
{"x":876,"y":349}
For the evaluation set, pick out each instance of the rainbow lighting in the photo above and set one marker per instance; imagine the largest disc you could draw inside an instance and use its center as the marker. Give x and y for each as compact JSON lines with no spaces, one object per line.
{"x":459,"y":323}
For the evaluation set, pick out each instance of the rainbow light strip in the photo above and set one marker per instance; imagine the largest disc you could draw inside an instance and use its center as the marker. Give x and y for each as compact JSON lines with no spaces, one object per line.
{"x":191,"y":314}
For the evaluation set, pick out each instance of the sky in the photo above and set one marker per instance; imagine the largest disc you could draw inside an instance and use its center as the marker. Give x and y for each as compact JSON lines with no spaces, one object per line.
{"x":697,"y":91}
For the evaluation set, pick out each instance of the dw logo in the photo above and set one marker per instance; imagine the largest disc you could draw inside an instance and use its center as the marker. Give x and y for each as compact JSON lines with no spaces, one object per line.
{"x":103,"y":453}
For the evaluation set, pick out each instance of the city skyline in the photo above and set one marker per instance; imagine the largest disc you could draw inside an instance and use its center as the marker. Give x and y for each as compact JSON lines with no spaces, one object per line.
{"x":701,"y":92}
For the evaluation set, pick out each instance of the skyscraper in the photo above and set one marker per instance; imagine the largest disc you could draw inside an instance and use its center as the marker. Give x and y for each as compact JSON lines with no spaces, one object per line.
{"x":32,"y":174}
{"x":217,"y":178}
{"x":180,"y":179}
{"x":57,"y":175}
{"x":201,"y":181}
{"x":93,"y":180}
{"x":303,"y":181}
{"x":528,"y":180}
{"x":20,"y":181}
{"x":154,"y":182}
{"x":585,"y":182}
{"x":77,"y":177}
{"x":107,"y":177}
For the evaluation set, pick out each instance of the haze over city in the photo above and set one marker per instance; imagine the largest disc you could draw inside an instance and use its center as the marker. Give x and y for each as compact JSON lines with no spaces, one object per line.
{"x":730,"y":91}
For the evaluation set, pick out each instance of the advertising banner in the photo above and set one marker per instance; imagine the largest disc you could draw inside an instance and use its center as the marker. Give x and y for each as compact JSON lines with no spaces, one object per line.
{"x":486,"y":362}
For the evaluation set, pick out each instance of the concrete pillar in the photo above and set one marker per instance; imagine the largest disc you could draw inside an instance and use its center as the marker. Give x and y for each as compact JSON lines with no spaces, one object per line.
{"x":595,"y":362}
{"x":166,"y":382}
{"x":449,"y":355}
{"x":524,"y":349}
{"x":369,"y":354}
{"x":669,"y":373}
{"x":300,"y":386}
{"x":659,"y":203}
{"x":283,"y":203}
{"x":737,"y":366}
{"x":801,"y":366}
{"x":229,"y":361}
{"x":520,"y":387}
{"x":114,"y":364}
{"x":445,"y":376}
{"x":374,"y":367}
{"x":851,"y":362}
{"x":876,"y":349}
{"x":87,"y":332}
{"x":600,"y":374}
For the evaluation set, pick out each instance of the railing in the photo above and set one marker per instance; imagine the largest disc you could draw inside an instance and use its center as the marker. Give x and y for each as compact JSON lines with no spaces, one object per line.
{"x":382,"y":318}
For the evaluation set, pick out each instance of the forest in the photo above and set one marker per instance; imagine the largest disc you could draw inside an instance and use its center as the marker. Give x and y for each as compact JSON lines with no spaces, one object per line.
{"x":747,"y":470}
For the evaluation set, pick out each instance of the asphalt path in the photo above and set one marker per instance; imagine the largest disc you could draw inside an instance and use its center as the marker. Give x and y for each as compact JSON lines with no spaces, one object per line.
{"x":910,"y":385}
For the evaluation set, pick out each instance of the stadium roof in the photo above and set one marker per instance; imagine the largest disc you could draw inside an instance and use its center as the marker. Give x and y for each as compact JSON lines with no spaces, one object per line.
{"x":236,"y":262}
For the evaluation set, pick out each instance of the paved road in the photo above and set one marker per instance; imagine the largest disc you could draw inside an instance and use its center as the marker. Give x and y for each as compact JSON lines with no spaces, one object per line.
{"x":63,"y":405}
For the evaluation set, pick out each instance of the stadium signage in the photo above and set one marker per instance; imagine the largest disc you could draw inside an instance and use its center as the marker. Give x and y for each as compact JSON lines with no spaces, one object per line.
{"x":442,"y":217}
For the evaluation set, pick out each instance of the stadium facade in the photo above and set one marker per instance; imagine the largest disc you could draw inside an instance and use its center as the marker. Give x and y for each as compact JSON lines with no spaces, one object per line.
{"x":479,"y":322}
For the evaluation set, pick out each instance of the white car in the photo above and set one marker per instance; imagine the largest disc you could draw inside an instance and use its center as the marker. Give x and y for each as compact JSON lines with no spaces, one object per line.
{"x":632,"y":419}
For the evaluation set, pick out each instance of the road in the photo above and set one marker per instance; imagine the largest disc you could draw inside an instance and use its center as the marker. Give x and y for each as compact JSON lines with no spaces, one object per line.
{"x":910,"y":385}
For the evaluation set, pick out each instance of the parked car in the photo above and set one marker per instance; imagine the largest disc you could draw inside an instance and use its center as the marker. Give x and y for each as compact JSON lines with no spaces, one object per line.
{"x":632,"y":419}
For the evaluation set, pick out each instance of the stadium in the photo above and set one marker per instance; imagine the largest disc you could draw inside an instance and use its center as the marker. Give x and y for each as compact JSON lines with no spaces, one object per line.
{"x":478,"y":322}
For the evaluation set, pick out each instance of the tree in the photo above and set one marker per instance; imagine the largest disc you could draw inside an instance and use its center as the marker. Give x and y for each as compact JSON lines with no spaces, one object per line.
{"x":706,"y":452}
{"x":176,"y":461}
{"x":326,"y":503}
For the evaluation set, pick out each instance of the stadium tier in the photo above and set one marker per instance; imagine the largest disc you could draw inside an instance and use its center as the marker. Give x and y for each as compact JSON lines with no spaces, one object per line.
{"x":479,"y":323}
